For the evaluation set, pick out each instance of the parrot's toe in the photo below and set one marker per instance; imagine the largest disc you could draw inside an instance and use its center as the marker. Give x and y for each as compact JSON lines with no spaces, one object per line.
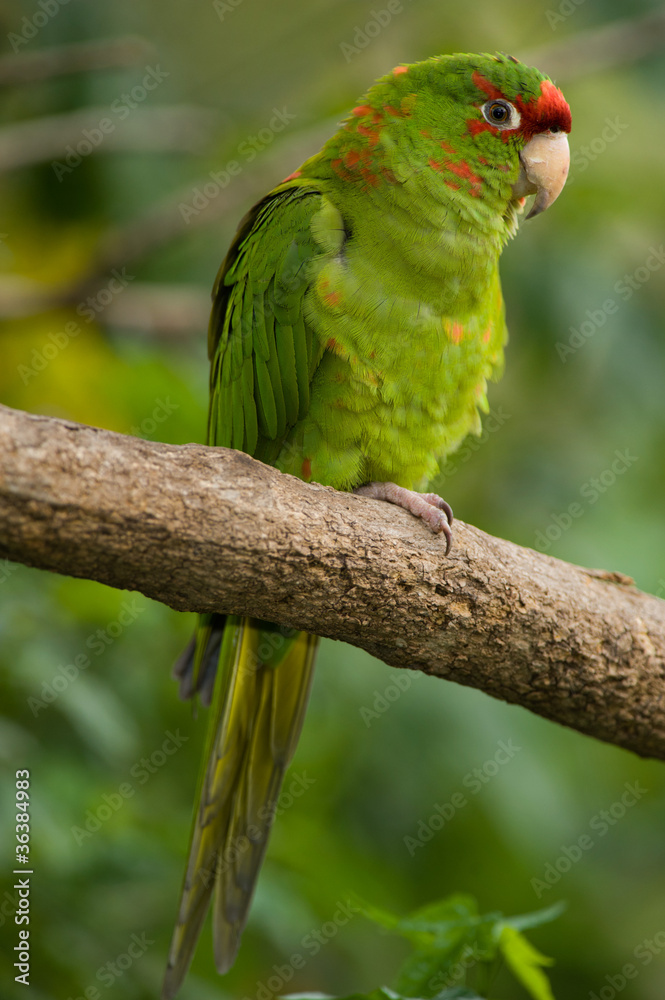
{"x":429,"y":507}
{"x":436,"y":501}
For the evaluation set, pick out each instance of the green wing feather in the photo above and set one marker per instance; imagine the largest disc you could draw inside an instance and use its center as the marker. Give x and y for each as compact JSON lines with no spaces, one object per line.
{"x":262,"y":350}
{"x":263,"y":355}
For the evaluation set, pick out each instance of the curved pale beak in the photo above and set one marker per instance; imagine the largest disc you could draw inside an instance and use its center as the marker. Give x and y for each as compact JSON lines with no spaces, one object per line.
{"x":544,"y":163}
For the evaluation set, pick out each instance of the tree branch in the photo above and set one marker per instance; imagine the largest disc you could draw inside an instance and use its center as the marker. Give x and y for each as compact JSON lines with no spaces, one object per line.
{"x":205,"y":529}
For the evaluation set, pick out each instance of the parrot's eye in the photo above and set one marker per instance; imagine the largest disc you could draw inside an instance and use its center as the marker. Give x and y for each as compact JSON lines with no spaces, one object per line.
{"x":501,"y":114}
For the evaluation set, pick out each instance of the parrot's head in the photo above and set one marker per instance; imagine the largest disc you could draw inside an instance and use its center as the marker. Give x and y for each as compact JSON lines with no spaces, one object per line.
{"x":508,"y":107}
{"x":485,"y":127}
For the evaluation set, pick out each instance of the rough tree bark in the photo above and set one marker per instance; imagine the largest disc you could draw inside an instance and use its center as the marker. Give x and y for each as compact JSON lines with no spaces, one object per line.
{"x":205,"y":529}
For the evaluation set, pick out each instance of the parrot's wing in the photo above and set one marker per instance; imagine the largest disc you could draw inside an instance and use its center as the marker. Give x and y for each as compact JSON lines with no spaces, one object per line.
{"x":263,"y":352}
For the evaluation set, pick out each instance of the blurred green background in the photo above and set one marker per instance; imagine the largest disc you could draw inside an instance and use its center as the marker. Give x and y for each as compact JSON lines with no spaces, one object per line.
{"x":135,"y":362}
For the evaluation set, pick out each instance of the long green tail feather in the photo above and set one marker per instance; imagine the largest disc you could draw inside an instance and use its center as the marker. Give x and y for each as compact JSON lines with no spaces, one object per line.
{"x":257,"y":711}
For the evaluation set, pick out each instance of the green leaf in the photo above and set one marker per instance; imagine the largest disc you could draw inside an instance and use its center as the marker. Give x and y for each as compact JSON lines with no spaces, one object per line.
{"x":452,"y":907}
{"x":536,"y":918}
{"x":437,"y":922}
{"x":449,"y":930}
{"x":525,"y":962}
{"x":424,"y":973}
{"x":381,"y":917}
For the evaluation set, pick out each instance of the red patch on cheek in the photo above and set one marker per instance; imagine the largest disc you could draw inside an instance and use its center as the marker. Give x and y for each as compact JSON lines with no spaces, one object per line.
{"x":475,"y":126}
{"x":464,"y":170}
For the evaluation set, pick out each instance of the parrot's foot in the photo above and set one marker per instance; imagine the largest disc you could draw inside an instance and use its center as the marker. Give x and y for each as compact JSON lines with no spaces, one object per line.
{"x":429,"y":507}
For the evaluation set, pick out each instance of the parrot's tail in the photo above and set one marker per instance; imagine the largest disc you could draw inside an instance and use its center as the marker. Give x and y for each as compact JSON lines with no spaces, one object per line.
{"x":259,"y":697}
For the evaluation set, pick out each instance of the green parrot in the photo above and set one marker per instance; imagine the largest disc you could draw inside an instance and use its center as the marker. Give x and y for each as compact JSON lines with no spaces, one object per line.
{"x":356,"y":319}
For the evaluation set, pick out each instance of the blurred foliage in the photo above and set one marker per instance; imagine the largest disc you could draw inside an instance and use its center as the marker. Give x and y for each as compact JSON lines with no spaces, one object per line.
{"x":113,"y":754}
{"x":454,"y":944}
